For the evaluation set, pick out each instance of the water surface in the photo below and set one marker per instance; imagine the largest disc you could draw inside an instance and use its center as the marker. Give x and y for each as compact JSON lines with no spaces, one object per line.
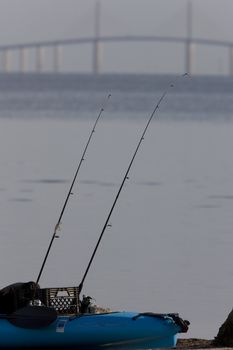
{"x":169,"y":248}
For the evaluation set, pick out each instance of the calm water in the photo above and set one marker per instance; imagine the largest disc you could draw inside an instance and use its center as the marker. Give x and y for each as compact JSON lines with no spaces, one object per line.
{"x":170,"y":245}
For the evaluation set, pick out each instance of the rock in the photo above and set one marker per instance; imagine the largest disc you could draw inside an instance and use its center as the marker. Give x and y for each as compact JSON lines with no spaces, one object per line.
{"x":194,"y":343}
{"x":225,"y":333}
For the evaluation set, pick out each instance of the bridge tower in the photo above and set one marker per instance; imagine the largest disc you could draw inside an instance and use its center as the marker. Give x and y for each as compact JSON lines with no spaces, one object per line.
{"x":189,"y":49}
{"x":96,"y":45}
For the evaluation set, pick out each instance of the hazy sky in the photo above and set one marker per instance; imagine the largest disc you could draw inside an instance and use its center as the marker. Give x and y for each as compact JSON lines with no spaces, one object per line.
{"x":34,"y":20}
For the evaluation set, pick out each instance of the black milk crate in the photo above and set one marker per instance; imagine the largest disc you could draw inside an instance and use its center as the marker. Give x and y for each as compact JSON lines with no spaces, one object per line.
{"x":65,"y":300}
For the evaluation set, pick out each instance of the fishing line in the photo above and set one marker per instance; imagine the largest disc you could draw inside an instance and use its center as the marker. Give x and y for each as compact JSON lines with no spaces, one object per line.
{"x":125,"y":178}
{"x":57,"y":226}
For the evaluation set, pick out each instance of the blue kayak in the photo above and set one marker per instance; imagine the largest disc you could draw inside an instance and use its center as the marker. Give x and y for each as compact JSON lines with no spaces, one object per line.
{"x":127,"y":330}
{"x":61,"y":320}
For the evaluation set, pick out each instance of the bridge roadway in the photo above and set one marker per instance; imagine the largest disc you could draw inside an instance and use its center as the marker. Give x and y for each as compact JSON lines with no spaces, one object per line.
{"x":188,"y":43}
{"x":131,"y":38}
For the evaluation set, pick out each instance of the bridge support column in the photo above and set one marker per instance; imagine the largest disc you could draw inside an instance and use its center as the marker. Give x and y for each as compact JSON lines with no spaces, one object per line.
{"x":57,"y":58}
{"x":189,"y":57}
{"x":6,"y":61}
{"x":96,"y":57}
{"x":39,"y":59}
{"x":22,"y":60}
{"x":230,"y":60}
{"x":96,"y":46}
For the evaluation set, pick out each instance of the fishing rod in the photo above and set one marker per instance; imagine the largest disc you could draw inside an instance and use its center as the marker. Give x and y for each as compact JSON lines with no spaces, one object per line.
{"x":123,"y":182}
{"x":70,"y":191}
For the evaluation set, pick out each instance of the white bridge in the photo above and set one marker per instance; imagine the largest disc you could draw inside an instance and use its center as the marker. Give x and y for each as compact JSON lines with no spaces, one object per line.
{"x":21,"y":50}
{"x":57,"y":47}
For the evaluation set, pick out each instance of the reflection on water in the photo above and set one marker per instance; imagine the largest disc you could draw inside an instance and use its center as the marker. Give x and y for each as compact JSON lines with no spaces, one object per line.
{"x":46,"y":181}
{"x":20,"y":199}
{"x":98,"y":183}
{"x":207,"y":206}
{"x":219,"y":196}
{"x":150,"y":183}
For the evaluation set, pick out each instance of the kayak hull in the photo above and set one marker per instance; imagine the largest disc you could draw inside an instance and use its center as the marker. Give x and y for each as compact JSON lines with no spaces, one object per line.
{"x":127,"y":330}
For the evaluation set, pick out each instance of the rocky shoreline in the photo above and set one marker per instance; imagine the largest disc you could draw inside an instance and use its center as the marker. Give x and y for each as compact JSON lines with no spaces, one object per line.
{"x":194,"y":343}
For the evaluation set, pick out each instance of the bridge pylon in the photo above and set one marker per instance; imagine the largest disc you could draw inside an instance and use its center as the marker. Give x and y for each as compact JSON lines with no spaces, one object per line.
{"x":230,"y":60}
{"x":96,"y":44}
{"x":39,"y":59}
{"x":189,"y":45}
{"x":57,"y":58}
{"x":6,"y":63}
{"x":189,"y":57}
{"x":23,"y":60}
